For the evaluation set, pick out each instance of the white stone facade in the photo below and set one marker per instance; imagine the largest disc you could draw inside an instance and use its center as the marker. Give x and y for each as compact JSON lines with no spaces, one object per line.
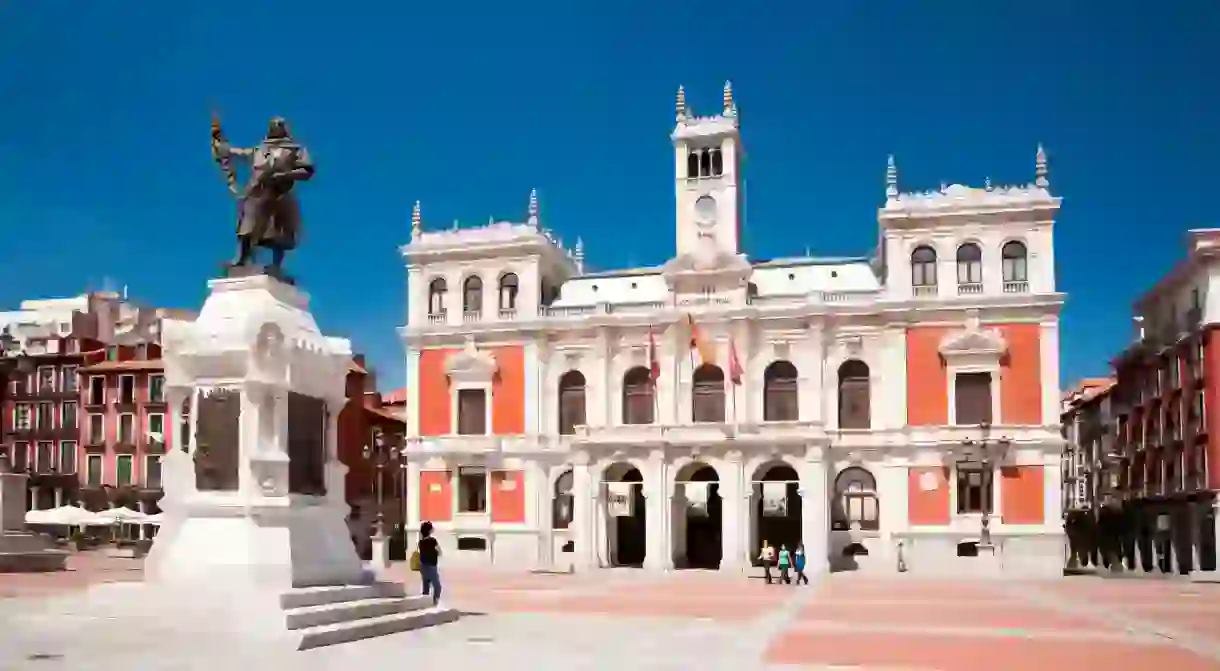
{"x":536,"y":316}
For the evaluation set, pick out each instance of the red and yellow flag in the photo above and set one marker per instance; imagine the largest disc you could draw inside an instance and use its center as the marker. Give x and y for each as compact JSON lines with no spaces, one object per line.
{"x":707,"y":353}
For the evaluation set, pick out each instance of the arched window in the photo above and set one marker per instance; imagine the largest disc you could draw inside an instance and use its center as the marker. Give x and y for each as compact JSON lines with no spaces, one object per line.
{"x":436,"y":296}
{"x":561,"y":511}
{"x":779,"y":393}
{"x":856,"y":492}
{"x":472,"y":295}
{"x":969,"y":264}
{"x":717,"y":163}
{"x":854,"y":395}
{"x":508,"y":292}
{"x":571,"y":402}
{"x":923,"y":267}
{"x":692,"y":165}
{"x":638,"y":404}
{"x":707,"y":399}
{"x":1015,"y":261}
{"x":705,"y":164}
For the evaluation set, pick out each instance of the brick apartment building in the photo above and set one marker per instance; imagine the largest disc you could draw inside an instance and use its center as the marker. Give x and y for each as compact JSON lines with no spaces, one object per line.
{"x":365,"y":414}
{"x":1089,"y":483}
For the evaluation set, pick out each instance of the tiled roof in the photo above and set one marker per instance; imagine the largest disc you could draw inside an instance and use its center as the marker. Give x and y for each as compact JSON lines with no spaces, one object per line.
{"x":386,"y":414}
{"x":395,"y":397}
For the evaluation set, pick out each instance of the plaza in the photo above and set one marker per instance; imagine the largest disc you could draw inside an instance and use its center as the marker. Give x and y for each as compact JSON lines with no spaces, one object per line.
{"x":683,"y":620}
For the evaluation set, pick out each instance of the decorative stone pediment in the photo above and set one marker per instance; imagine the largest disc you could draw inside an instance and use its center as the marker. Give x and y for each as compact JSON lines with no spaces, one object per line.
{"x":973,"y":344}
{"x":471,"y":365}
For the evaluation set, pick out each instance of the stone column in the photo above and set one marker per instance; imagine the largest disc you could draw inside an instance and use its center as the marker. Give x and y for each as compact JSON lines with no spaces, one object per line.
{"x":59,"y":496}
{"x":733,"y":511}
{"x":34,"y":497}
{"x":815,"y":510}
{"x":892,"y":483}
{"x":413,"y":493}
{"x":539,"y":475}
{"x":143,"y":509}
{"x":656,"y":504}
{"x":584,"y":512}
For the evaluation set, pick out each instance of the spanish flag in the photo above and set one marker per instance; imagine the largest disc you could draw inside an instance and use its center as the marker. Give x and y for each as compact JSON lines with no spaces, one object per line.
{"x":707,"y":353}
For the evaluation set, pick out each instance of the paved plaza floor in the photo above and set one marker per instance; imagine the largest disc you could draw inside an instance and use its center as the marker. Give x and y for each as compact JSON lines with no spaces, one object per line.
{"x":691,"y":620}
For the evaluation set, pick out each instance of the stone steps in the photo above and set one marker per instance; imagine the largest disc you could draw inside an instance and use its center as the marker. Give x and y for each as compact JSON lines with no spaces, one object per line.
{"x":37,"y":561}
{"x":323,"y":616}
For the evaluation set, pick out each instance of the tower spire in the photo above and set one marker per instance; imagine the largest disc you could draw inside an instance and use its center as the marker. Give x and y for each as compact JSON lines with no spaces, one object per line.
{"x":1042,"y":177}
{"x":578,"y":255}
{"x":730,"y":107}
{"x":681,"y":105}
{"x":532,"y":210}
{"x":891,"y":178}
{"x":417,"y":223}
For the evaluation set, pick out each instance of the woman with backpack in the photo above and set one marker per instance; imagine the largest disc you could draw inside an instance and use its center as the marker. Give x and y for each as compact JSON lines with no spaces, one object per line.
{"x":425,"y":559}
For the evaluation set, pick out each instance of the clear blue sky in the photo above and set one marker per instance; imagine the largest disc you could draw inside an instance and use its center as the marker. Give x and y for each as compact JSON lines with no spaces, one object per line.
{"x":105,"y":169}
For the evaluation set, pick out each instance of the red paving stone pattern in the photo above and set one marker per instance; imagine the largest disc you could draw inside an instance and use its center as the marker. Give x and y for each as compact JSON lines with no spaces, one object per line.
{"x":993,"y":615}
{"x":963,"y":653}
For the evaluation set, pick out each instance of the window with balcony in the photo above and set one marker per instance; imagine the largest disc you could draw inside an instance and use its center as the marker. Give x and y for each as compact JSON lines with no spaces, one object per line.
{"x":21,"y":455}
{"x":472,"y":490}
{"x":123,"y":470}
{"x":97,"y":390}
{"x":46,"y":416}
{"x":156,"y":428}
{"x":781,"y":401}
{"x":923,"y":268}
{"x":571,"y":402}
{"x":67,"y":379}
{"x":854,"y":402}
{"x":974,"y":482}
{"x":67,"y":416}
{"x":97,"y":429}
{"x":969,"y":268}
{"x":127,"y":429}
{"x":45,"y":458}
{"x":152,"y":471}
{"x":156,"y":388}
{"x":972,"y":399}
{"x":127,"y":389}
{"x":707,"y":397}
{"x":638,"y":396}
{"x":1014,"y":263}
{"x":23,"y":417}
{"x":437,"y":289}
{"x":472,"y":412}
{"x":93,"y":470}
{"x":472,"y":296}
{"x":508,"y":292}
{"x":46,"y":379}
{"x":67,"y":457}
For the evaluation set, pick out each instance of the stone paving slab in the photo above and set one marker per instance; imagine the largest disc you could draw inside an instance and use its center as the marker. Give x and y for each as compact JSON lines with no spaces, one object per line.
{"x":688,"y":620}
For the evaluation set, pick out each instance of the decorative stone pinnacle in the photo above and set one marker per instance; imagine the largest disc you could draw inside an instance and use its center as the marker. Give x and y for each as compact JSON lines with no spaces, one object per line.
{"x":987,"y":183}
{"x":1041,"y":171}
{"x":681,"y":106}
{"x":532,"y":211}
{"x":891,"y":177}
{"x":578,"y":254}
{"x":417,"y":222}
{"x":730,"y":108}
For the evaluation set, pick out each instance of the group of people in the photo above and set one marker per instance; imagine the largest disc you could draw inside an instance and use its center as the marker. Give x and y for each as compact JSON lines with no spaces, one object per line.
{"x":787,"y":563}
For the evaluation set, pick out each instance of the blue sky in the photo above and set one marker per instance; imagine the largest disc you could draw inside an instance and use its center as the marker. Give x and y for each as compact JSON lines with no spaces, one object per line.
{"x":105,"y":170}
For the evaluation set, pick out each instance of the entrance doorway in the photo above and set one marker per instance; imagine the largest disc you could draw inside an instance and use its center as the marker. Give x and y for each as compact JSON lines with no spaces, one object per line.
{"x":623,"y":511}
{"x":697,"y":514}
{"x":775,"y":508}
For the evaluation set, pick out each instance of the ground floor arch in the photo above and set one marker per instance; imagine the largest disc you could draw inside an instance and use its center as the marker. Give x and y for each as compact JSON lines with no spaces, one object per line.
{"x":697,"y":517}
{"x":624,"y":515}
{"x":775,"y":507}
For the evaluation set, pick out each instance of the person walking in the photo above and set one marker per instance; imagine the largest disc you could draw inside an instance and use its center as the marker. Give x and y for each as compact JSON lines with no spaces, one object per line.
{"x":767,"y":557}
{"x":785,"y":563}
{"x":798,"y":563}
{"x":425,"y":560}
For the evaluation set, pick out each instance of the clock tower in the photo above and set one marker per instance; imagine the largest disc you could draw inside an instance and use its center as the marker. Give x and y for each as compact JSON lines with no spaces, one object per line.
{"x":707,"y":159}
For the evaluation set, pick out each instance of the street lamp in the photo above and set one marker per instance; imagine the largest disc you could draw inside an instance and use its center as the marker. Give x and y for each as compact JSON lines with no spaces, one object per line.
{"x":988,"y":452}
{"x":379,"y":452}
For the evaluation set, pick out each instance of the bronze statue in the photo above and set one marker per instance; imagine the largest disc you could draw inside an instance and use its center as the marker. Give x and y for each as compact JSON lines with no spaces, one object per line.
{"x":268,"y":214}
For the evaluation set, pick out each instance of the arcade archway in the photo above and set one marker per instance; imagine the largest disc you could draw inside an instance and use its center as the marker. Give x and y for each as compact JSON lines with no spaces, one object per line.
{"x":775,"y":508}
{"x":696,"y":516}
{"x":623,"y":512}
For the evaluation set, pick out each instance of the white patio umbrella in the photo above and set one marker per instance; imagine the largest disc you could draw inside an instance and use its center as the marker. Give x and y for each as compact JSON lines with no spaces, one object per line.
{"x":37,"y":517}
{"x":121,"y":516}
{"x":154,"y":520}
{"x":73,"y":516}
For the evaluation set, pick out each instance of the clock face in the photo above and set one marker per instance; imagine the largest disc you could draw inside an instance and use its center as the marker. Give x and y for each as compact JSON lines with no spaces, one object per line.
{"x":705,"y":211}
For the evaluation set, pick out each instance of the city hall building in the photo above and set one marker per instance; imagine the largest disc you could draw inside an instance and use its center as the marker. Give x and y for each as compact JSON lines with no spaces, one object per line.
{"x":893,"y":412}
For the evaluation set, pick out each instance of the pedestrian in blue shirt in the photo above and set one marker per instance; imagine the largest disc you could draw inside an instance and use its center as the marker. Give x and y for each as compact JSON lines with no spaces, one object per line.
{"x":798,"y":562}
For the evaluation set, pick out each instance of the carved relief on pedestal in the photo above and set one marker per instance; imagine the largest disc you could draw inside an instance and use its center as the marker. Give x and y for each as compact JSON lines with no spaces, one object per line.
{"x":218,"y":440}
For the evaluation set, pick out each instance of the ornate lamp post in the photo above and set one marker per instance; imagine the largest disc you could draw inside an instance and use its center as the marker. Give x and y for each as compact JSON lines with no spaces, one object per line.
{"x":989,"y":452}
{"x":380,"y":452}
